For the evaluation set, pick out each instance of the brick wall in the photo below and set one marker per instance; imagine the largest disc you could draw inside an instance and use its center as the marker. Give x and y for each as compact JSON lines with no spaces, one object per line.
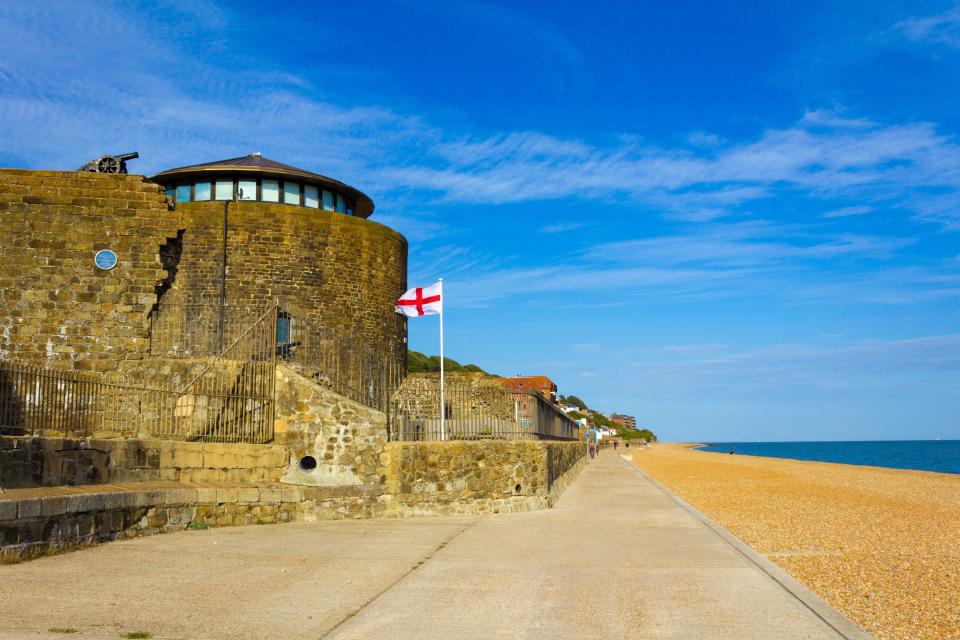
{"x":56,"y":306}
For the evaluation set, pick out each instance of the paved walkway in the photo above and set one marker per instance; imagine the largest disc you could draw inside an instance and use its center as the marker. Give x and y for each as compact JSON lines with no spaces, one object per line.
{"x":617,"y":558}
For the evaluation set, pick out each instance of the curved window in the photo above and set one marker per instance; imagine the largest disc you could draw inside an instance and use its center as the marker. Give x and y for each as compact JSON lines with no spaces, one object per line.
{"x":201,"y":191}
{"x":247,"y":190}
{"x":291,"y":193}
{"x":311,"y":196}
{"x":270,"y":191}
{"x":242,"y":187}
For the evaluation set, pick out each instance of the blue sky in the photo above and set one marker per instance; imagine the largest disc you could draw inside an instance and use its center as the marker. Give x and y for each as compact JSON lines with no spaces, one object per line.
{"x":735,"y":222}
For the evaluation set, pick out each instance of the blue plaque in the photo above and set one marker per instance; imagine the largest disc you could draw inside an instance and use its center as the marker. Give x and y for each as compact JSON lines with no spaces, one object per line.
{"x":105,"y":259}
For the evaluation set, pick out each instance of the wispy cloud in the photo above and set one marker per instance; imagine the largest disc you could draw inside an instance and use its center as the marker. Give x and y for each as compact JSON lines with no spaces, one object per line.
{"x":863,"y":364}
{"x":47,"y":51}
{"x":941,"y":28}
{"x":562,"y":227}
{"x":845,"y":212}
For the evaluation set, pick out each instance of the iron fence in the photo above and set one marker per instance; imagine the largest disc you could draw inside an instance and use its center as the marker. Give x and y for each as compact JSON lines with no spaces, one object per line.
{"x":474,"y":414}
{"x":198,"y":330}
{"x":36,"y":400}
{"x":333,"y":357}
{"x":338,"y":360}
{"x":227,"y":398}
{"x":231,"y":398}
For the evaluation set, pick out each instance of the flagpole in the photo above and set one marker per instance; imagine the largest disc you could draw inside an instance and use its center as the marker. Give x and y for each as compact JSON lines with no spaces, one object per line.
{"x":443,"y":406}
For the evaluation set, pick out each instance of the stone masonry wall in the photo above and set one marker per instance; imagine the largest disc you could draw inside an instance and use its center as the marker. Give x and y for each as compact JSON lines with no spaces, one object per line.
{"x":54,"y":462}
{"x":344,"y":438}
{"x":337,"y":270}
{"x":56,"y":306}
{"x":478,"y":477}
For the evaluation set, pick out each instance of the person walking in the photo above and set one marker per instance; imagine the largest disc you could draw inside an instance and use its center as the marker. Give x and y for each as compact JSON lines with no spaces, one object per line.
{"x":592,"y":442}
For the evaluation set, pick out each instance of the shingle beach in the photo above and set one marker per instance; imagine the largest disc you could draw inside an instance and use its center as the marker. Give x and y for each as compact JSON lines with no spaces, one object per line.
{"x":881,"y":545}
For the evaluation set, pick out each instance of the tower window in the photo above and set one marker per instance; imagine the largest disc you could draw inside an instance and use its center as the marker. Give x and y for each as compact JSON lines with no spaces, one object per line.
{"x":291,"y":193}
{"x":247,"y":189}
{"x":270,"y":191}
{"x":224,"y":189}
{"x":201,"y":191}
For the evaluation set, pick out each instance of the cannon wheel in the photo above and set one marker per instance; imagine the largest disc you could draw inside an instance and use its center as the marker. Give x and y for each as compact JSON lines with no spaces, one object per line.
{"x":108,"y":164}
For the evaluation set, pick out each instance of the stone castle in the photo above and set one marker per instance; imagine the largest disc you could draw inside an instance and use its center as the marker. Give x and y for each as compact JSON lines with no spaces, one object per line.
{"x":229,"y":328}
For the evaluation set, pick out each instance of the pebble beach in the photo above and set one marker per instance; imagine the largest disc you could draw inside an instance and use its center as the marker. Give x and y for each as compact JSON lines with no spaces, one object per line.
{"x":881,"y":545}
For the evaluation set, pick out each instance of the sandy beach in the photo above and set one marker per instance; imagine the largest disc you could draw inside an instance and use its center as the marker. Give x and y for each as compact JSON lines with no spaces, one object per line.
{"x":881,"y":545}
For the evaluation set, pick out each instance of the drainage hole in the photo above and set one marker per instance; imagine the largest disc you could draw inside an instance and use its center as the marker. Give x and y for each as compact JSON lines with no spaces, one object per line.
{"x":308,"y":463}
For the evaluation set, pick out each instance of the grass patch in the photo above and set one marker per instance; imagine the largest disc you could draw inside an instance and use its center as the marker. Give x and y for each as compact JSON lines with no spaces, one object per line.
{"x":62,"y":630}
{"x":137,"y":634}
{"x":196,"y":525}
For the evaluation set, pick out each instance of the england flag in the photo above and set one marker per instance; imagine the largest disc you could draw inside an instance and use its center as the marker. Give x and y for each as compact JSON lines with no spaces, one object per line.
{"x":422,"y":301}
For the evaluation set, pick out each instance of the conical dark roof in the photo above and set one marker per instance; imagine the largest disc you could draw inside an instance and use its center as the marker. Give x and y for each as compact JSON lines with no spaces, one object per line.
{"x":256,"y":164}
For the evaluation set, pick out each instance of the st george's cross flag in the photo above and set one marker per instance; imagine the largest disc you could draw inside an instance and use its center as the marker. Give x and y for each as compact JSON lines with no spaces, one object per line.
{"x":422,"y":301}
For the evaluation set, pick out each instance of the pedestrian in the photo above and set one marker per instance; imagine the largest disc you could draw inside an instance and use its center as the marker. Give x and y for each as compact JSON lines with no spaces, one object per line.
{"x":616,"y":443}
{"x":593,"y":449}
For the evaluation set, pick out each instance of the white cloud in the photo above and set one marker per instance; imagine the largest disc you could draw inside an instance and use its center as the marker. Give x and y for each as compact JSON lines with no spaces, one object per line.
{"x":942,"y":28}
{"x":845,"y":212}
{"x":48,"y":54}
{"x":857,"y":364}
{"x":561,"y":227}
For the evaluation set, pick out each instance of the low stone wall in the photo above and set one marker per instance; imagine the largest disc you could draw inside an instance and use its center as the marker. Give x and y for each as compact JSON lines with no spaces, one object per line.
{"x":48,"y":462}
{"x":332,"y":441}
{"x":396,"y":479}
{"x":428,"y":478}
{"x":32,"y":525}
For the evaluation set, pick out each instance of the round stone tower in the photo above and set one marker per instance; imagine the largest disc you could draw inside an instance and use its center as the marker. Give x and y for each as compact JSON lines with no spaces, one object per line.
{"x":256,"y":232}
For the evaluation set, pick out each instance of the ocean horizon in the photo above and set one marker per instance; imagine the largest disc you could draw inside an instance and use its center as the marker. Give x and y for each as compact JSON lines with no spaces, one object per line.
{"x":941,"y":456}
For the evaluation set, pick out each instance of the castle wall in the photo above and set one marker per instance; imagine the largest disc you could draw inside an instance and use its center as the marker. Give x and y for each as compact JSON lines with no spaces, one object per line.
{"x":56,"y":306}
{"x":337,"y":270}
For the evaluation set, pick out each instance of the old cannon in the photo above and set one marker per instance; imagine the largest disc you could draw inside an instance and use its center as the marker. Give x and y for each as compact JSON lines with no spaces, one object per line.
{"x":110,"y":164}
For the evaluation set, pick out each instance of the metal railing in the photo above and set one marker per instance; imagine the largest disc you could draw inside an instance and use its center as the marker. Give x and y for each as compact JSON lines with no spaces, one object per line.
{"x":198,"y":330}
{"x":473,"y":414}
{"x":338,"y":360}
{"x":36,"y":400}
{"x":333,"y":357}
{"x":231,"y":399}
{"x":227,"y":398}
{"x":544,"y":418}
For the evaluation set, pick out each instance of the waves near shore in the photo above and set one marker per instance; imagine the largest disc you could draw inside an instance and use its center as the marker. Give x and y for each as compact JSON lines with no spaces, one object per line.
{"x":881,"y":545}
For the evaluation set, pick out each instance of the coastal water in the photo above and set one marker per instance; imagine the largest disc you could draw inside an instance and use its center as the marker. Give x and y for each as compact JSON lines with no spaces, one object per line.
{"x":942,"y":456}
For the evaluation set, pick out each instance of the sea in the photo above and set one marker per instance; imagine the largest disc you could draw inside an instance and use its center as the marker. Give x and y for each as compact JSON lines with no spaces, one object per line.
{"x":942,"y":456}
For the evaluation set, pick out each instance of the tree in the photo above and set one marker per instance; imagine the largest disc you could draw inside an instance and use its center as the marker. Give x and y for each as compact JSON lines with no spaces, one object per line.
{"x":576,"y":402}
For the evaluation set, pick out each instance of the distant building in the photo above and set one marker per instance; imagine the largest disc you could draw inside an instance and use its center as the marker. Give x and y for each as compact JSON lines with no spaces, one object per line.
{"x":528,"y":384}
{"x":629,"y":422}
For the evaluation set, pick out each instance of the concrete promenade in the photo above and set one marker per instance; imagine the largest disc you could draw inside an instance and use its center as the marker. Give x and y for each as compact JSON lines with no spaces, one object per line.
{"x":616,"y":558}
